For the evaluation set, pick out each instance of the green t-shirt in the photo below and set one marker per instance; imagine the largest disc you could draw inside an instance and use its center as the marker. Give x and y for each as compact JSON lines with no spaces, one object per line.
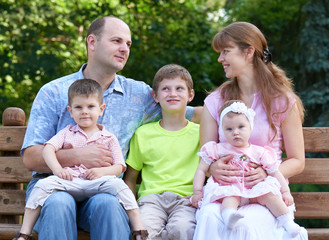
{"x":167,"y":159}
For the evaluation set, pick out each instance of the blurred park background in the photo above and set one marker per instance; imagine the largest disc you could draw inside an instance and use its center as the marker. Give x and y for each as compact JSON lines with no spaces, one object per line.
{"x":41,"y":40}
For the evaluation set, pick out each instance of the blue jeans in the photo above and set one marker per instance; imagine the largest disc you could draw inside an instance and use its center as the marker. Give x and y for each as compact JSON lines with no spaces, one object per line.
{"x":101,"y":215}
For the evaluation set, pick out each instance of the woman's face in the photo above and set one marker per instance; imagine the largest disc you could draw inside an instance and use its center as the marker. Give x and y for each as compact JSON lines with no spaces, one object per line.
{"x":235,"y":61}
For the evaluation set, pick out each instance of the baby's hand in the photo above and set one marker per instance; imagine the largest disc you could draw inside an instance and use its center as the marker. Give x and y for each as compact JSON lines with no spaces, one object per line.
{"x":287,"y":198}
{"x":94,"y":173}
{"x":195,"y":199}
{"x":64,"y":174}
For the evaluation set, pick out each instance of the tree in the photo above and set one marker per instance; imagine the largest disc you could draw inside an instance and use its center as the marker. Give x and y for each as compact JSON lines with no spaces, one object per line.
{"x":297,"y":33}
{"x":42,"y":40}
{"x":314,"y":61}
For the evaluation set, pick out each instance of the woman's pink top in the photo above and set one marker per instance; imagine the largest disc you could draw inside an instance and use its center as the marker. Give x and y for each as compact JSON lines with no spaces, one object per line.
{"x":262,"y":132}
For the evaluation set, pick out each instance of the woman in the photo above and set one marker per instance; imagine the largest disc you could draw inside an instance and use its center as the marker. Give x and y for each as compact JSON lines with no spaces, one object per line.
{"x":265,"y":88}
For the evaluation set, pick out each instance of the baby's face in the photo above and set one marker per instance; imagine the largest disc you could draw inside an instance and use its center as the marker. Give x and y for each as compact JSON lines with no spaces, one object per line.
{"x":236,"y":129}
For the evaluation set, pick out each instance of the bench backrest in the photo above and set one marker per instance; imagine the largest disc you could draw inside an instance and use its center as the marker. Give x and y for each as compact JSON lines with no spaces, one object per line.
{"x":12,"y":171}
{"x":313,"y":205}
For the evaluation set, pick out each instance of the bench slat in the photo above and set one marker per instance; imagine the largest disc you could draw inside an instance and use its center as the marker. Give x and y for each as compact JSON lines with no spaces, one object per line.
{"x":12,"y":170}
{"x":12,"y":202}
{"x":311,"y":205}
{"x":11,"y":138}
{"x":318,"y":233}
{"x":316,"y":172}
{"x":304,"y":203}
{"x":316,"y":139}
{"x":7,"y":232}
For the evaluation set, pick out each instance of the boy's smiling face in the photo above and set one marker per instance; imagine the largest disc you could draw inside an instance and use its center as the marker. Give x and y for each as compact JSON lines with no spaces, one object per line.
{"x":173,"y":95}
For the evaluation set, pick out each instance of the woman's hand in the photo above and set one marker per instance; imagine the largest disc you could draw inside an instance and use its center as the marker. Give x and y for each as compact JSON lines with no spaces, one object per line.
{"x":255,"y":176}
{"x":222,"y":172}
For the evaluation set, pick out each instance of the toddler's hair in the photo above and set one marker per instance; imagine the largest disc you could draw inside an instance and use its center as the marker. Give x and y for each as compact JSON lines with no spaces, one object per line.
{"x":171,"y":71}
{"x":85,"y":87}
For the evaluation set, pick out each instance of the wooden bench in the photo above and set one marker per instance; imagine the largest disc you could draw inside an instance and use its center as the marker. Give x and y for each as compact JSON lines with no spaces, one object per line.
{"x":13,"y":175}
{"x":309,"y":205}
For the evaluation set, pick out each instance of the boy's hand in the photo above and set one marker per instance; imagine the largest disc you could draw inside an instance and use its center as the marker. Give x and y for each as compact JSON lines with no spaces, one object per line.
{"x":94,"y":173}
{"x":195,"y":199}
{"x":64,"y":174}
{"x":287,"y":198}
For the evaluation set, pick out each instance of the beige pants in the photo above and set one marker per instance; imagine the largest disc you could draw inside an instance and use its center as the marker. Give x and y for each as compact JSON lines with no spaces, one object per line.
{"x":167,"y":216}
{"x":81,"y":189}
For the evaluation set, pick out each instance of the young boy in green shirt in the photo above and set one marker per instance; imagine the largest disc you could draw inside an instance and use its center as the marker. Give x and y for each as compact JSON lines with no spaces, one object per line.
{"x":165,"y":152}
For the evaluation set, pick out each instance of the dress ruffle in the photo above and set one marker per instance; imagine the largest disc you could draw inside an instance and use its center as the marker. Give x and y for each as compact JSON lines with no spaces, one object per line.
{"x":213,"y":191}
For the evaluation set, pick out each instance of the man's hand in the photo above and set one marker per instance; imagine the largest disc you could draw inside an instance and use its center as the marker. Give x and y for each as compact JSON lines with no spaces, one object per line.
{"x":94,"y":156}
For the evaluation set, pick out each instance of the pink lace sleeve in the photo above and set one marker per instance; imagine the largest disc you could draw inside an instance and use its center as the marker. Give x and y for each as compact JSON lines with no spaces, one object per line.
{"x":269,"y":160}
{"x":209,"y":152}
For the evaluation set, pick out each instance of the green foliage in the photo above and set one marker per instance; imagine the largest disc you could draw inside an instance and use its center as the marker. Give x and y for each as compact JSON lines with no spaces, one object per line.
{"x":298,"y":35}
{"x":170,"y":32}
{"x":43,"y":40}
{"x":315,"y":59}
{"x":35,"y":47}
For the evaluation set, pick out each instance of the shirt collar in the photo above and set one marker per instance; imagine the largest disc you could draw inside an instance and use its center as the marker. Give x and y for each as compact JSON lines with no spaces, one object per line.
{"x":81,"y":71}
{"x":115,"y":85}
{"x":103,"y":132}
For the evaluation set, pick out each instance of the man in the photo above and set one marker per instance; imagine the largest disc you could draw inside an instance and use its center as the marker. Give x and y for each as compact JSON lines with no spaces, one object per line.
{"x":129,"y":105}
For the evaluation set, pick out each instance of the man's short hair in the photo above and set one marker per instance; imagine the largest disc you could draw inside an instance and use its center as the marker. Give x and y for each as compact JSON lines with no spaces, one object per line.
{"x":96,"y":28}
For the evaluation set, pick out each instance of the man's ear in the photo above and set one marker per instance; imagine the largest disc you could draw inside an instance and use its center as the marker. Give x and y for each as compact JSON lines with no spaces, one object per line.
{"x":191,"y":96}
{"x":91,"y":41}
{"x":155,"y":96}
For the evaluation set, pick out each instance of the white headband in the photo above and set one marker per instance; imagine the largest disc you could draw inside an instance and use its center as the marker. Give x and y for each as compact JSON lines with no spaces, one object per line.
{"x":239,"y":107}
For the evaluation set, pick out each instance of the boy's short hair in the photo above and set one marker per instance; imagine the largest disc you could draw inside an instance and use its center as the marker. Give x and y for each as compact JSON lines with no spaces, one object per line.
{"x":85,"y":87}
{"x":171,"y":71}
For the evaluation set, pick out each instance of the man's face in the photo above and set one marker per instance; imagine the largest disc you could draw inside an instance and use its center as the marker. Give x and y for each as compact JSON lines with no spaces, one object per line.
{"x":112,"y":47}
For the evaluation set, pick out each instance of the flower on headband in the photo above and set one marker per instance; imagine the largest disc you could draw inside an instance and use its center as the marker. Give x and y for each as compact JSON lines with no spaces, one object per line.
{"x":238,"y":107}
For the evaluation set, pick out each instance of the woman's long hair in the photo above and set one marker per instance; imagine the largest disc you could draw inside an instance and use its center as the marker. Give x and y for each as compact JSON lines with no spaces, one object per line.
{"x":270,"y":79}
